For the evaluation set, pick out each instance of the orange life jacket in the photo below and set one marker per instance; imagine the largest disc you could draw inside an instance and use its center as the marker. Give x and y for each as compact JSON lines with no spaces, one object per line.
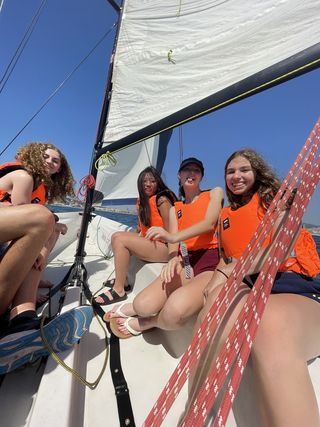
{"x":38,"y":195}
{"x":192,"y":213}
{"x":155,"y":217}
{"x":237,"y":227}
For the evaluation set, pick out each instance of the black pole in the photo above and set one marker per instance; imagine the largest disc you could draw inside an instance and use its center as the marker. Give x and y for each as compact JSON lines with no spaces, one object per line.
{"x":115,"y":5}
{"x":88,"y":209}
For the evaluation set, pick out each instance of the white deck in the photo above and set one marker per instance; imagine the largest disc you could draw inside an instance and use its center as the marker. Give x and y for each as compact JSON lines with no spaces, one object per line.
{"x":147,"y":362}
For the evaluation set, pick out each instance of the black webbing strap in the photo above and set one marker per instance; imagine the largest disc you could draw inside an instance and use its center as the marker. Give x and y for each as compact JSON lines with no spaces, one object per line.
{"x":125,"y":413}
{"x":126,"y":417}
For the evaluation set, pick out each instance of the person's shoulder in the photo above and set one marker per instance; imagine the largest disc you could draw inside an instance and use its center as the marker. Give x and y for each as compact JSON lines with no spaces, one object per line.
{"x":21,"y":174}
{"x":216,"y":192}
{"x":165,"y":196}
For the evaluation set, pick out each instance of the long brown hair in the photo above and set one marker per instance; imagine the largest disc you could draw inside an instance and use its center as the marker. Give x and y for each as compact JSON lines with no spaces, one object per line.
{"x":144,"y":207}
{"x":60,"y":184}
{"x":266,"y":181}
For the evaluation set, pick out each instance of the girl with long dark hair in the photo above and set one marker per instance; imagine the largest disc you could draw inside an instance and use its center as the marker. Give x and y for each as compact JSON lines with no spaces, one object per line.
{"x":154,"y":203}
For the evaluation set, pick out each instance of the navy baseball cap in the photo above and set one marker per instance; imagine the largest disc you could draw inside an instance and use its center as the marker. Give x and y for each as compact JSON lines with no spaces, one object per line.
{"x":189,"y":160}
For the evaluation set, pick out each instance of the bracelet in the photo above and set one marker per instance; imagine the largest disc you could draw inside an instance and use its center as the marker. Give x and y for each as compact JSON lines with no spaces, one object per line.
{"x":222,"y":272}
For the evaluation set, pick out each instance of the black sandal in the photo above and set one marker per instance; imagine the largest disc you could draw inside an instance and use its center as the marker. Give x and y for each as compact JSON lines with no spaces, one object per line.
{"x":116,"y":298}
{"x":110,"y":283}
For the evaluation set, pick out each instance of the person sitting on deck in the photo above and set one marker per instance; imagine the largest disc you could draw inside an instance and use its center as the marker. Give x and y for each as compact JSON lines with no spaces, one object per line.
{"x":176,"y":295}
{"x":287,"y":336}
{"x":28,"y":227}
{"x":155,"y":200}
{"x":40,"y":174}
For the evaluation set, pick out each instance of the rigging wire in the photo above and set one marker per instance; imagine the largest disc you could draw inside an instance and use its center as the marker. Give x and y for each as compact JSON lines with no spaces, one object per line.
{"x":58,"y":88}
{"x":180,"y":143}
{"x":146,"y":147}
{"x":16,"y":56}
{"x":1,"y":5}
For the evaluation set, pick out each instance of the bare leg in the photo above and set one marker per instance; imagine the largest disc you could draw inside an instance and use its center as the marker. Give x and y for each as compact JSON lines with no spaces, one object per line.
{"x":177,"y":308}
{"x":28,"y":227}
{"x":287,"y":338}
{"x":200,"y":372}
{"x":25,"y":298}
{"x":125,"y":244}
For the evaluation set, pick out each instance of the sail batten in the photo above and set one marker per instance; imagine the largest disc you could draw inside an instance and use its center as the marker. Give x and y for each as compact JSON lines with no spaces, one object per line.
{"x":167,"y":71}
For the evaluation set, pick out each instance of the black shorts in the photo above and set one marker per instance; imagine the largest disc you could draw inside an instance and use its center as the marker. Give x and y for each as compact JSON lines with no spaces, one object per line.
{"x":203,"y":260}
{"x":293,"y":283}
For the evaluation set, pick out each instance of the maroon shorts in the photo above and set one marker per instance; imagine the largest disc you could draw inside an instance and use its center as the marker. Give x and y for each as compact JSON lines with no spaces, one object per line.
{"x":203,"y":260}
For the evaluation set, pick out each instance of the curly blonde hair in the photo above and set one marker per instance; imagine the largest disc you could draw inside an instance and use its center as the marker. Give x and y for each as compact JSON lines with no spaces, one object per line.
{"x":60,"y":184}
{"x":266,"y":181}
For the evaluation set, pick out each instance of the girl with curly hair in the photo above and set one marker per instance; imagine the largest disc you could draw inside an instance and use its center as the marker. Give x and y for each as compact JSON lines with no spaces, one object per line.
{"x":40,"y":174}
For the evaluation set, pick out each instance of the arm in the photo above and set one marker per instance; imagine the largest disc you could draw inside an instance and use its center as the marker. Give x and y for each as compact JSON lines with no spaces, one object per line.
{"x":164,"y":205}
{"x":174,"y":264}
{"x":207,"y":224}
{"x":22,"y":186}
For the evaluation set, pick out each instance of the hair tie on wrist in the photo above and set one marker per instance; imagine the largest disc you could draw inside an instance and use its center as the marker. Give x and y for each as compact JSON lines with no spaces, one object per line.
{"x":222,"y":272}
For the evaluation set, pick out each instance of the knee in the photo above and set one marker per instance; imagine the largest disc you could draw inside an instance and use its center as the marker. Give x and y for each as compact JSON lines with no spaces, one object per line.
{"x":117,"y":238}
{"x":173,"y":314}
{"x":147,"y":304}
{"x":143,"y":305}
{"x":43,"y":219}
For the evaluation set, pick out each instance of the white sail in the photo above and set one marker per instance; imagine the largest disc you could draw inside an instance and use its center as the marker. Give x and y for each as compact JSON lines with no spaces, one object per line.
{"x":172,"y":54}
{"x":118,"y":183}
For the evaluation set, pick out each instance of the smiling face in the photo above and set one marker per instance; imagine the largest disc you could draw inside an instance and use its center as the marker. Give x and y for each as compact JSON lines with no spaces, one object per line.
{"x":190,"y":175}
{"x":239,"y":176}
{"x":149,"y":184}
{"x":52,"y":160}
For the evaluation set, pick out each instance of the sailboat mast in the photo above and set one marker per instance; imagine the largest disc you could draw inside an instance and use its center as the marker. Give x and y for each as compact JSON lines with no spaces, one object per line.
{"x":114,"y":5}
{"x":87,"y":212}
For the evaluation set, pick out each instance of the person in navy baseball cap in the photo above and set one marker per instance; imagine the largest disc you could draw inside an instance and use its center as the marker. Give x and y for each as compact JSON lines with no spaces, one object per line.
{"x":189,"y":160}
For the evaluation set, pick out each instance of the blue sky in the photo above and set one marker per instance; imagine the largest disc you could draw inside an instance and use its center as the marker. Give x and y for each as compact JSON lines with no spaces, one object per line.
{"x":275,"y":122}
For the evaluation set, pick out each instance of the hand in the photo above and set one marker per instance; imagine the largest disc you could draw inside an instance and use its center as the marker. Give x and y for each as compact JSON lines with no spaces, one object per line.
{"x":61,"y":228}
{"x":173,"y":267}
{"x":158,"y":233}
{"x":40,"y":263}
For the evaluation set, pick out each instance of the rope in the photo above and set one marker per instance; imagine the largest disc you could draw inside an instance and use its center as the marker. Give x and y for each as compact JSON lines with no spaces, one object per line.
{"x":86,"y":184}
{"x":221,"y":304}
{"x":242,"y":334}
{"x":92,"y":385}
{"x":105,"y":161}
